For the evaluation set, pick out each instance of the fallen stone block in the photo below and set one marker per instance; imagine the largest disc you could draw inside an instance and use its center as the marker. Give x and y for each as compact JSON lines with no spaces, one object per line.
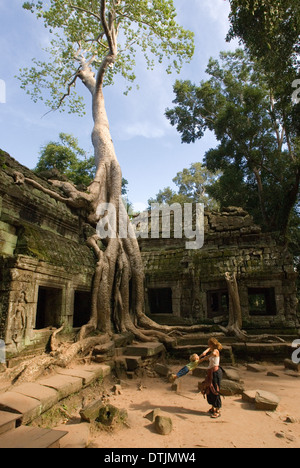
{"x":249,"y":396}
{"x":91,"y":412}
{"x":231,"y":374}
{"x":110,"y":415}
{"x":152,"y":415}
{"x":256,"y":368}
{"x":266,"y":401}
{"x":162,"y":369}
{"x":163,"y":424}
{"x":272,"y":374}
{"x":230,"y":388}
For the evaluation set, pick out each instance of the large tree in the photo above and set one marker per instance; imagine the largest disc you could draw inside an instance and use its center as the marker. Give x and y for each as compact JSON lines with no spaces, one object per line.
{"x":270,"y":31}
{"x":192,"y":183}
{"x":258,"y":154}
{"x":94,"y":40}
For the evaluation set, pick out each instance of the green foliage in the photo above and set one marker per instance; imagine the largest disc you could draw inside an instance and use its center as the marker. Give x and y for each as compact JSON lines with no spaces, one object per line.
{"x":79,"y":37}
{"x":257,"y":156}
{"x":68,"y":159}
{"x":192,"y":186}
{"x":270,"y":30}
{"x":71,"y":161}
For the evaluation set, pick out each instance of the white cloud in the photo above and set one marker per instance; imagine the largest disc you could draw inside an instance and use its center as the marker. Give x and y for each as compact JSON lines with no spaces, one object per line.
{"x":144,"y":129}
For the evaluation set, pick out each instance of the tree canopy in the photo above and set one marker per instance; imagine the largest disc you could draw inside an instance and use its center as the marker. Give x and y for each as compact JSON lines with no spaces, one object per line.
{"x":270,"y":30}
{"x":93,"y":41}
{"x":80,"y":39}
{"x":256,"y":154}
{"x":192,"y":183}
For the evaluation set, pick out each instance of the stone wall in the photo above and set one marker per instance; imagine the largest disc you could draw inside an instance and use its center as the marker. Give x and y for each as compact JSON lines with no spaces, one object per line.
{"x":44,"y":261}
{"x":196,"y":278}
{"x":46,"y":269}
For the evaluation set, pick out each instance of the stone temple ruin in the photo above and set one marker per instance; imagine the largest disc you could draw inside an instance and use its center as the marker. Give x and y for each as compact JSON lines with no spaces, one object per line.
{"x":46,"y":270}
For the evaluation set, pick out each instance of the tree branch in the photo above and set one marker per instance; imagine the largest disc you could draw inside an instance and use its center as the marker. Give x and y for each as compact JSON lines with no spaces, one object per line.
{"x":104,"y":23}
{"x":84,"y":10}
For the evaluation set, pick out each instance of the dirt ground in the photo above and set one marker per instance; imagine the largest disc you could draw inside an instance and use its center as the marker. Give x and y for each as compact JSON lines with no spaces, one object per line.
{"x":240,"y":425}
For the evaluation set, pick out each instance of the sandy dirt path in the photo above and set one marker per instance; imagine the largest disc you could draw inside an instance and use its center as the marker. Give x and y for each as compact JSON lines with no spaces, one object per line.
{"x":240,"y":425}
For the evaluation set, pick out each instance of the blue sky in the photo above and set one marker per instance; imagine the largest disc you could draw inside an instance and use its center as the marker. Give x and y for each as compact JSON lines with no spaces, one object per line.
{"x":148,"y":148}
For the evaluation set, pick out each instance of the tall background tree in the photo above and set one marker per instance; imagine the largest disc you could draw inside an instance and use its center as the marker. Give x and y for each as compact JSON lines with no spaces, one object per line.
{"x":193,"y":184}
{"x":270,"y":30}
{"x":257,"y":156}
{"x":93,"y":41}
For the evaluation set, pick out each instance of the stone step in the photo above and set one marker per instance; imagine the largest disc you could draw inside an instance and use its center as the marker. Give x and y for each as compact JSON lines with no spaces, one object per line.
{"x":28,"y":401}
{"x":262,"y":351}
{"x":65,"y":385}
{"x":31,"y":437}
{"x":47,"y":397}
{"x":202,"y":339}
{"x":185,"y":352}
{"x":8,"y":421}
{"x":27,"y":408}
{"x":145,"y":349}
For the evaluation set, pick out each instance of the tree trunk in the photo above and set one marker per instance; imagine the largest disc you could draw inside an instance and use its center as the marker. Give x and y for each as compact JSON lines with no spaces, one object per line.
{"x":235,"y":322}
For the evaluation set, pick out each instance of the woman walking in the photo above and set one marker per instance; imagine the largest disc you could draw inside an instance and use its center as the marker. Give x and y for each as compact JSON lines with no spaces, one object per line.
{"x":212,"y":384}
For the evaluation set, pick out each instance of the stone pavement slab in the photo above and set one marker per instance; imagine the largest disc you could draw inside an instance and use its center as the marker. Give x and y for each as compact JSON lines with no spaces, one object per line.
{"x":31,"y":437}
{"x":47,"y":396}
{"x":29,"y":408}
{"x":78,"y":435}
{"x":8,"y":421}
{"x":65,"y":385}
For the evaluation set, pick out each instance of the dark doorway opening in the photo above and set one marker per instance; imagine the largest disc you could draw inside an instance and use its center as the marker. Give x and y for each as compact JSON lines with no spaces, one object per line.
{"x":49,"y":307}
{"x":160,"y":301}
{"x":262,"y":301}
{"x":218,"y":303}
{"x":82,"y":308}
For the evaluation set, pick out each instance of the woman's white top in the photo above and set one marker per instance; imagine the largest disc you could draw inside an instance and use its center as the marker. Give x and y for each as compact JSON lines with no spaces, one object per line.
{"x":214,"y":361}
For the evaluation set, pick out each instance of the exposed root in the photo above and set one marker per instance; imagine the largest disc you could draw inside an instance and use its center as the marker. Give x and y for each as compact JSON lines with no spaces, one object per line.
{"x":75,"y":198}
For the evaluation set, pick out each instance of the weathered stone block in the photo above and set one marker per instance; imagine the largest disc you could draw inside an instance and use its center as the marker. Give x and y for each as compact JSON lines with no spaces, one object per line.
{"x":47,"y":397}
{"x":65,"y":385}
{"x":29,"y":408}
{"x":266,"y":401}
{"x":229,"y":387}
{"x":145,"y":349}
